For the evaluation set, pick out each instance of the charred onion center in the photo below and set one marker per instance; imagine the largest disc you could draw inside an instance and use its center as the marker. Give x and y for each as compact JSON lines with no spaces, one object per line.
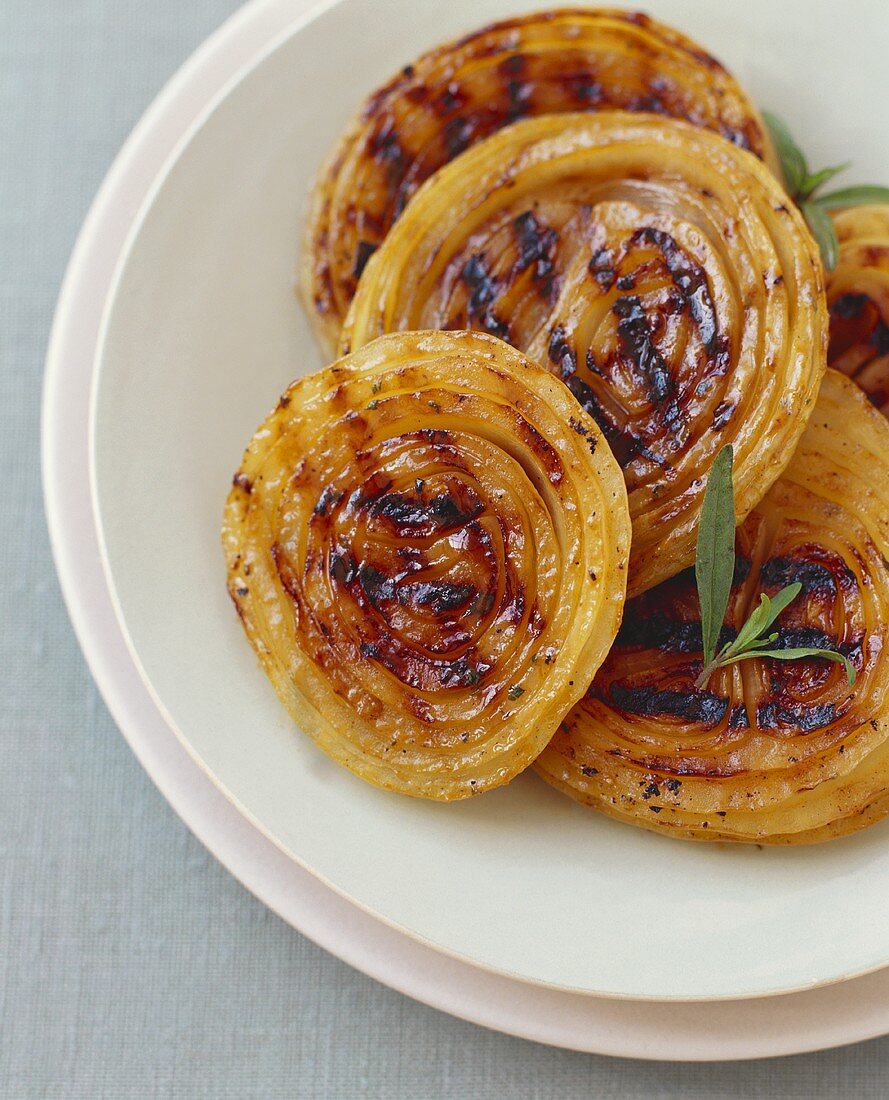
{"x":720,"y":730}
{"x":421,"y":568}
{"x":460,"y":94}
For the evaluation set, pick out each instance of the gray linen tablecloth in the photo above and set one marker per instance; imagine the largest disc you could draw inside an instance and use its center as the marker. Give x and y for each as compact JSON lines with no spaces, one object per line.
{"x":131,"y":963}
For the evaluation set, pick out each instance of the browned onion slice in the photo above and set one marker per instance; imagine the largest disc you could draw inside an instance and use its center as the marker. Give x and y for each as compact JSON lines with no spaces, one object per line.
{"x":427,"y":545}
{"x":659,"y":270}
{"x":770,"y":751}
{"x":858,"y":299}
{"x":450,"y":98}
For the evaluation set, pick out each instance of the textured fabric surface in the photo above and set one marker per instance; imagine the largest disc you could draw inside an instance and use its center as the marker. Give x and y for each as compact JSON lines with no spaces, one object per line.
{"x":131,"y":963}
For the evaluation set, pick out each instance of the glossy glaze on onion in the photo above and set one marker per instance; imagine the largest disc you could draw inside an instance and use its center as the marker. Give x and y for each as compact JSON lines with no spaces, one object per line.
{"x":858,"y":299}
{"x":461,"y":92}
{"x":427,"y":545}
{"x":770,"y":751}
{"x":656,"y":268}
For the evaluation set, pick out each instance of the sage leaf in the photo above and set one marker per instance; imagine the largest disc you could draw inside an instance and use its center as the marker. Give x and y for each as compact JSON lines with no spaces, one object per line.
{"x":823,"y":232}
{"x":762,"y":618}
{"x":852,"y":196}
{"x":802,"y":185}
{"x":715,"y":551}
{"x":802,"y":654}
{"x":783,"y":599}
{"x":793,"y":161}
{"x":755,"y":625}
{"x":811,"y":183}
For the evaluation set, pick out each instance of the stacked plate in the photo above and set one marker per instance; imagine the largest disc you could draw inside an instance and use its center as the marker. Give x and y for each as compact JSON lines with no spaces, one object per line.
{"x":175,"y":332}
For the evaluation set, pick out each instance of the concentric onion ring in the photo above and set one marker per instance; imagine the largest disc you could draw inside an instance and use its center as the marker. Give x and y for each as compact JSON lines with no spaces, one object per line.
{"x":547,"y":63}
{"x":658,"y":269}
{"x":771,"y":751}
{"x":427,"y":545}
{"x":858,"y":299}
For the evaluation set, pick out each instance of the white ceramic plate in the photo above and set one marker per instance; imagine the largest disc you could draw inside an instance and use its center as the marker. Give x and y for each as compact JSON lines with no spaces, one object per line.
{"x":753,"y":1028}
{"x":200,"y":336}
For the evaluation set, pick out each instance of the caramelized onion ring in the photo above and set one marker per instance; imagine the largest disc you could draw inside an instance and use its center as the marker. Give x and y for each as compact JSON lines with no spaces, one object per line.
{"x":772,"y":752}
{"x":427,"y":545}
{"x":453,"y":96}
{"x":858,"y":299}
{"x":658,"y":269}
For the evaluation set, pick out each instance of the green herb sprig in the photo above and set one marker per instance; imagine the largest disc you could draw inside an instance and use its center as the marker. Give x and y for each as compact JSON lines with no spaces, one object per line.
{"x":805,"y":186}
{"x":714,"y":573}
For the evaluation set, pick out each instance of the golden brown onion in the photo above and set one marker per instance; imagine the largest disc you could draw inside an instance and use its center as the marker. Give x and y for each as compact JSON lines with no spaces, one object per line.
{"x":771,"y":751}
{"x":427,"y":545}
{"x":658,"y":269}
{"x":858,"y":299}
{"x":546,"y":63}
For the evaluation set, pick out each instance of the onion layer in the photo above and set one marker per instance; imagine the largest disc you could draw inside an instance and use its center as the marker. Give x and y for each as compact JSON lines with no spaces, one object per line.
{"x":427,"y":545}
{"x":858,"y":298}
{"x":546,"y":63}
{"x":659,"y":270}
{"x":771,"y":751}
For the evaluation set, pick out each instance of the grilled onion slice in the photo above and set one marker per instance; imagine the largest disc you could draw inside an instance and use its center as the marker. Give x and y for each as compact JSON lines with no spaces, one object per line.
{"x":427,"y":545}
{"x":858,"y":299}
{"x":772,"y":751}
{"x":658,"y":269}
{"x":450,"y":98}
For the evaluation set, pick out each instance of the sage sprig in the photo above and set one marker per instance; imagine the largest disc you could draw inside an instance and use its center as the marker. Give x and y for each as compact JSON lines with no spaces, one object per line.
{"x":804,"y":187}
{"x":715,"y":551}
{"x":714,"y":574}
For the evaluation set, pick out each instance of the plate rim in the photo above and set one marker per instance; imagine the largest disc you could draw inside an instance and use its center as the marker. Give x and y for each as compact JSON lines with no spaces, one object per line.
{"x":307,"y":14}
{"x":125,"y":167}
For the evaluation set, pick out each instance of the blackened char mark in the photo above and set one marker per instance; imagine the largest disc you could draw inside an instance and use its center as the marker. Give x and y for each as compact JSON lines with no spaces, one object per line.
{"x":537,"y":245}
{"x":738,"y":719}
{"x":587,"y":92}
{"x":402,"y":510}
{"x":690,"y":280}
{"x":624,"y":446}
{"x":519,"y":93}
{"x":601,"y":267}
{"x":742,"y":568}
{"x":406,"y":513}
{"x":848,"y":306}
{"x":646,"y":625}
{"x":636,"y":343}
{"x":483,"y":287}
{"x":815,"y":578}
{"x":658,"y":631}
{"x":363,"y":253}
{"x":341,"y":566}
{"x":376,"y":586}
{"x":439,"y":596}
{"x":457,"y":135}
{"x":481,"y":283}
{"x":693,"y":706}
{"x":449,"y":513}
{"x":879,"y":338}
{"x":386,"y":151}
{"x":329,"y":499}
{"x":562,"y":353}
{"x":772,"y":716}
{"x":803,"y":637}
